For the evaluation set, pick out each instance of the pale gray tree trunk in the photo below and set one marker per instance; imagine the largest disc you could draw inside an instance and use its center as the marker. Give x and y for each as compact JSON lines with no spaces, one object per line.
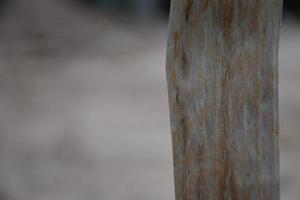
{"x":222,"y":76}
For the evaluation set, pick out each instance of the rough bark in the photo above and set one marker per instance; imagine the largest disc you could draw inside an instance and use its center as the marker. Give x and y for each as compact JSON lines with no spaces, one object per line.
{"x":222,"y":76}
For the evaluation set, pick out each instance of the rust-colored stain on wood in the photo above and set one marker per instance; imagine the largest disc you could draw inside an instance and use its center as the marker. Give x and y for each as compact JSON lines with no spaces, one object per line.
{"x":223,"y":91}
{"x":227,"y":18}
{"x":188,"y":10}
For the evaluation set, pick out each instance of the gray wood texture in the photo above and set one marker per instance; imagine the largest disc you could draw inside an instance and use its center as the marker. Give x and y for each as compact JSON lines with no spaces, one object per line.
{"x":222,"y":74}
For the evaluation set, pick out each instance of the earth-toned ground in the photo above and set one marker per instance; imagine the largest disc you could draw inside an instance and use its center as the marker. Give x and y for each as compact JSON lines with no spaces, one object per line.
{"x":84,"y":111}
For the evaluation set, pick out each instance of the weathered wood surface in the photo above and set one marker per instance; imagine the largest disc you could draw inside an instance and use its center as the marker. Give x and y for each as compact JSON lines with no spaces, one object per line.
{"x":223,"y":92}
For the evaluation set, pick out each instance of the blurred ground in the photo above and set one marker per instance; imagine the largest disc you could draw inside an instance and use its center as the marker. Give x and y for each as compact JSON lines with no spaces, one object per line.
{"x":289,"y":60}
{"x":84,"y":111}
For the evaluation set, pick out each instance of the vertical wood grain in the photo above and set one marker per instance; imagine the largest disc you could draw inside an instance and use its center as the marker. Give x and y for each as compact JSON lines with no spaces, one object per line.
{"x":222,"y":74}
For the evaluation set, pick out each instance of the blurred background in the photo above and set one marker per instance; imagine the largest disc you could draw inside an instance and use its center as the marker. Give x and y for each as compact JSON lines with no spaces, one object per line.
{"x":83,"y":100}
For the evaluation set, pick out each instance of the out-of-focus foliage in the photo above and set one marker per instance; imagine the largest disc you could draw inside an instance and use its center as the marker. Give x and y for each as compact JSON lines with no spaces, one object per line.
{"x":3,"y":2}
{"x":109,"y":3}
{"x":161,"y":6}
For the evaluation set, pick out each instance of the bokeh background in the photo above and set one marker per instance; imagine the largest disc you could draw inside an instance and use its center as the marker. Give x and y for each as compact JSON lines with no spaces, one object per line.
{"x":83,"y":100}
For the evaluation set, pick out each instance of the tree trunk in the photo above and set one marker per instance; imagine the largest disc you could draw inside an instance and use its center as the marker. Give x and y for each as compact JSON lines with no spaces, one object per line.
{"x":222,"y":75}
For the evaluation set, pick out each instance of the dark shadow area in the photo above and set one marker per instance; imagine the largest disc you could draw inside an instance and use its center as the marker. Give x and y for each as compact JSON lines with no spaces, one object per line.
{"x":156,"y":7}
{"x":292,"y":9}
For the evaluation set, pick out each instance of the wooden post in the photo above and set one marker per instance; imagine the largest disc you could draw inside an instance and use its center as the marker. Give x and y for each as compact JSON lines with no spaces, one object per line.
{"x":223,"y":92}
